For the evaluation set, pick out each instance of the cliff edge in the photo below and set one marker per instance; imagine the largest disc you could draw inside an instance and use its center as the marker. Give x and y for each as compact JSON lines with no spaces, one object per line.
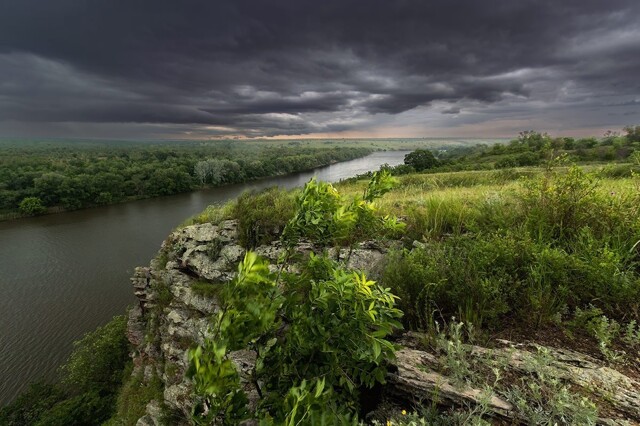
{"x":177,"y":295}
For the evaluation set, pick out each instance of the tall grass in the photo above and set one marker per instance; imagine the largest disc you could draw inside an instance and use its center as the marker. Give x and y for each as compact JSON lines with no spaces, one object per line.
{"x":528,"y":247}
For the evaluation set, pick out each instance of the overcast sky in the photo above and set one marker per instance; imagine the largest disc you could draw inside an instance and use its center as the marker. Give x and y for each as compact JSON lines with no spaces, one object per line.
{"x":341,"y":68}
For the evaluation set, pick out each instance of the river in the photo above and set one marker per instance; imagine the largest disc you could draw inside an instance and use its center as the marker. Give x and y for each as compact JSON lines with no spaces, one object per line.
{"x":65,"y":274}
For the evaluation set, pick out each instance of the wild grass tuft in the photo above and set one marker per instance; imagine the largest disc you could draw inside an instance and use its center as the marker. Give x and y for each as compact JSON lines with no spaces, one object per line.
{"x":262,"y":216}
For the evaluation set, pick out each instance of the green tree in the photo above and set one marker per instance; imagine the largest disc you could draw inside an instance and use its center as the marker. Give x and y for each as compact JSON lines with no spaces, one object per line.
{"x":86,"y":391}
{"x":32,"y":206}
{"x":534,"y":140}
{"x":421,"y":159}
{"x":633,"y":133}
{"x":98,"y":358}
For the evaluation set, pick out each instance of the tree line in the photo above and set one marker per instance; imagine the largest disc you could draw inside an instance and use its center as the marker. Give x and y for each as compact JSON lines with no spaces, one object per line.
{"x":36,"y":177}
{"x":530,"y":148}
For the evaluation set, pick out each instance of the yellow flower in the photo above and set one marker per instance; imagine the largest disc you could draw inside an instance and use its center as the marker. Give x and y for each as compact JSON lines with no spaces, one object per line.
{"x":388,"y":422}
{"x":404,"y":412}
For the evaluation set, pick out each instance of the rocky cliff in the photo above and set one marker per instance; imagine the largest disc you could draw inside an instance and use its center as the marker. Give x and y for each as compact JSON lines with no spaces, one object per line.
{"x":177,"y":294}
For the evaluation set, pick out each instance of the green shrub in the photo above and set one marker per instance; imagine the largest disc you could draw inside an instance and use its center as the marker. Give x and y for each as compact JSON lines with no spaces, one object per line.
{"x":619,"y":171}
{"x":32,"y":404}
{"x":86,"y":391}
{"x":605,"y":276}
{"x":334,"y":342}
{"x":98,"y":358}
{"x":482,"y":278}
{"x":133,"y":397}
{"x":89,"y":408}
{"x":325,"y":218}
{"x":558,"y":205}
{"x":262,"y":216}
{"x":478,"y":279}
{"x":32,"y":206}
{"x":547,"y":284}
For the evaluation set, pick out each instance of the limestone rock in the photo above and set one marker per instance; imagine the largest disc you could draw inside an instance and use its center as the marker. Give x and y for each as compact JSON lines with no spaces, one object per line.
{"x":413,"y":381}
{"x":208,"y":253}
{"x":135,"y":326}
{"x":146,"y":420}
{"x":416,"y":378}
{"x":245,"y":361}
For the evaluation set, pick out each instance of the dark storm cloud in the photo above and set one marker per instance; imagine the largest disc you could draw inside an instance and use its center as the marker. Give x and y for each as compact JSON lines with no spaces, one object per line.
{"x":288,"y":66}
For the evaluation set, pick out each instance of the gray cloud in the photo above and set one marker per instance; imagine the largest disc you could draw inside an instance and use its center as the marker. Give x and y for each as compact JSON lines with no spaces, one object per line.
{"x":257,"y":68}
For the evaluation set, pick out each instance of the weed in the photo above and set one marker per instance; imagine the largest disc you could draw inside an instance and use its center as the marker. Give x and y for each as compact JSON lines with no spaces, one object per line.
{"x":262,"y":216}
{"x":542,"y":398}
{"x":455,"y":359}
{"x":162,"y":258}
{"x":631,"y":334}
{"x":214,"y":248}
{"x":606,"y":331}
{"x":133,"y":398}
{"x":206,"y":289}
{"x":162,"y":295}
{"x":212,"y":214}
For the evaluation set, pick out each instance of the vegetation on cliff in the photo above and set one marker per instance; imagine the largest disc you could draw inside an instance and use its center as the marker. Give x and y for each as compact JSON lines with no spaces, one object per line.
{"x":319,"y":335}
{"x":87,"y":387}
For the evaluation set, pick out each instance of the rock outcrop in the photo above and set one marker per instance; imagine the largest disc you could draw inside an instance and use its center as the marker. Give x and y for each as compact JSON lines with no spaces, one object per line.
{"x":176,"y":297}
{"x":417,"y":379}
{"x":172,"y":314}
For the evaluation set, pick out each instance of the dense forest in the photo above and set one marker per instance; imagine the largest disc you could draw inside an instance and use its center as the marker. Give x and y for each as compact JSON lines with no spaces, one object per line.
{"x":41,"y":176}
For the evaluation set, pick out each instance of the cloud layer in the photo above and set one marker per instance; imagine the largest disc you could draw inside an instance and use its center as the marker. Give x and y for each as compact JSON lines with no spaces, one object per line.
{"x":291,"y":67}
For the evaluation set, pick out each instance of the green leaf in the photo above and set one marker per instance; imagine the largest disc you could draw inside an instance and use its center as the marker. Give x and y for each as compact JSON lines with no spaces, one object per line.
{"x":319,"y":387}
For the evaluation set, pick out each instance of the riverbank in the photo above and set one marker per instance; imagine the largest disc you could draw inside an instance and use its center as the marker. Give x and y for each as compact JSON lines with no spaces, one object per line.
{"x":77,"y":182}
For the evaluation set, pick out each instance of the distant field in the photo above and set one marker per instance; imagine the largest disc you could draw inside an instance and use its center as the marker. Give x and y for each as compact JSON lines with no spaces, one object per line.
{"x":388,"y":144}
{"x":233,"y":144}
